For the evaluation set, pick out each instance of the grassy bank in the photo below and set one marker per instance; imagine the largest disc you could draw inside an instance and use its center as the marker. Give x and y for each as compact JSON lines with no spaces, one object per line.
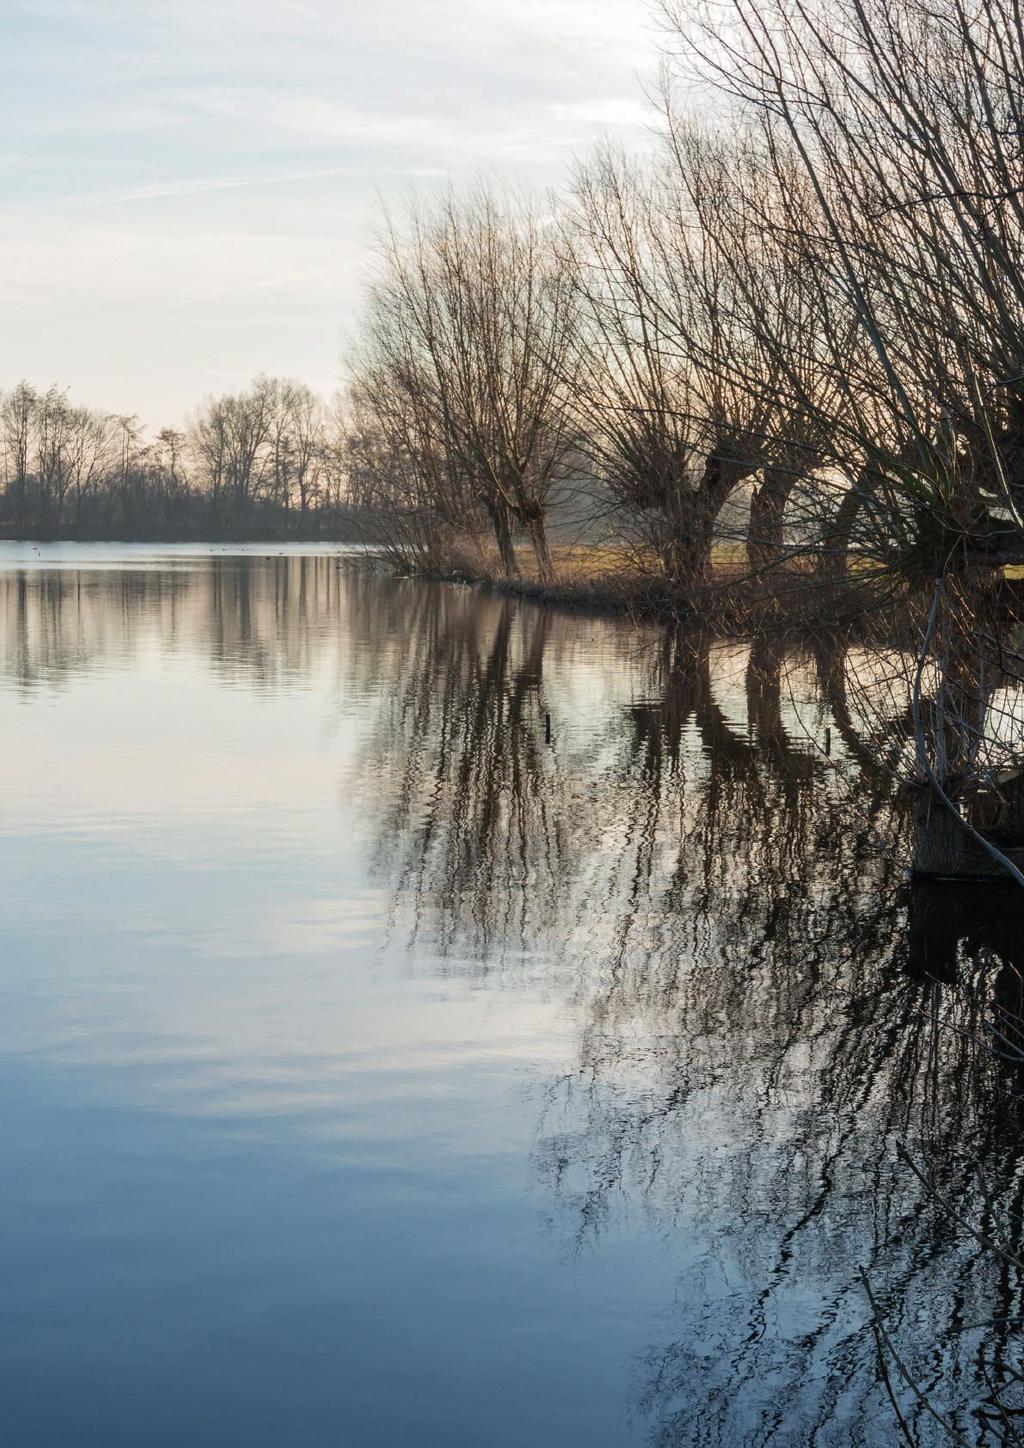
{"x":612,"y":578}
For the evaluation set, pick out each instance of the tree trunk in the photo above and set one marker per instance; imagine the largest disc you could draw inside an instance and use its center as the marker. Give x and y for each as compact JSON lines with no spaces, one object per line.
{"x":538,"y":538}
{"x":691,"y":516}
{"x":942,"y":847}
{"x":834,"y":558}
{"x":502,"y":521}
{"x":686,"y":557}
{"x":765,"y":536}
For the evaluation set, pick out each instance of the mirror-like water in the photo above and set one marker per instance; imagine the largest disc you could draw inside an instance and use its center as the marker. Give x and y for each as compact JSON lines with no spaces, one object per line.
{"x":427,"y":1019}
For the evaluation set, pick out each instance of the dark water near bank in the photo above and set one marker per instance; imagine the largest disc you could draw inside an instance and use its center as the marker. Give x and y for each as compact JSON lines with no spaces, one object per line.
{"x":429,"y":1020}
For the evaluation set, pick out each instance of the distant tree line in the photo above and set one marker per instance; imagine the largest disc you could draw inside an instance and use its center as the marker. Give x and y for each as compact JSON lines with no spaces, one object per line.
{"x":268,"y":462}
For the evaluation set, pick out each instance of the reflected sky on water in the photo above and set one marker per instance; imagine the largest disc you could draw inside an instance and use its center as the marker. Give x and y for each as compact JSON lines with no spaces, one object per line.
{"x":429,"y":1019}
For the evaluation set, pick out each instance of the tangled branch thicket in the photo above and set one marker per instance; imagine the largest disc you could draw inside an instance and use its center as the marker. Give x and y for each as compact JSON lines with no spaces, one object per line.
{"x":818,"y":299}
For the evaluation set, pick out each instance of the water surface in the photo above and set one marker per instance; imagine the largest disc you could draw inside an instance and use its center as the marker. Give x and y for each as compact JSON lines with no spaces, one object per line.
{"x":428,"y":1019}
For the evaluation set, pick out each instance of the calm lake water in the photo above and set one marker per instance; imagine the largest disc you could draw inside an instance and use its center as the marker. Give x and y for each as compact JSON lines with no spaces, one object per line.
{"x":431,"y":1020}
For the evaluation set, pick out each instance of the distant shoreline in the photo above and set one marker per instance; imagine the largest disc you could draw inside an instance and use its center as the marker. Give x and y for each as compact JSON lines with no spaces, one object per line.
{"x":341,"y":534}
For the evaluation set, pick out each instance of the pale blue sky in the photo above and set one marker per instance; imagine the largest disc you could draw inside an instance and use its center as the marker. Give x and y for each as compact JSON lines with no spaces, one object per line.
{"x":188,"y":186}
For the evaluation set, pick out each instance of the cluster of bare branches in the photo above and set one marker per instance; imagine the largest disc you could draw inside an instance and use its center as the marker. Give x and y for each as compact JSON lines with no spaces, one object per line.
{"x":814,"y":303}
{"x":901,"y":124}
{"x":513,"y":364}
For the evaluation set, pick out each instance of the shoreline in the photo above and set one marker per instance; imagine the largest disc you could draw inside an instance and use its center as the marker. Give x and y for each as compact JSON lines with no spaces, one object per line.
{"x":728,"y":606}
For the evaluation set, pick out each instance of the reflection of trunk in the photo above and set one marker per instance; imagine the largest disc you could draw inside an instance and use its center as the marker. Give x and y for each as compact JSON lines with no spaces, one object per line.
{"x":935,"y":923}
{"x":830,"y":660}
{"x":530,"y":676}
{"x":684,"y":691}
{"x":1008,"y":1007}
{"x":764,"y":694}
{"x":765,"y":538}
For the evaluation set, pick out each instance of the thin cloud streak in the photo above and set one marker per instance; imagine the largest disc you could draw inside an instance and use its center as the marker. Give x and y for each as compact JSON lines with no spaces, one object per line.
{"x":198,"y":186}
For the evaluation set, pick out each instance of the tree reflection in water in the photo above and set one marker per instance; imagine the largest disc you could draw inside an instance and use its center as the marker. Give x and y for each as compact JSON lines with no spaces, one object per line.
{"x":261,"y":621}
{"x":766,"y":1009}
{"x":763,"y":1009}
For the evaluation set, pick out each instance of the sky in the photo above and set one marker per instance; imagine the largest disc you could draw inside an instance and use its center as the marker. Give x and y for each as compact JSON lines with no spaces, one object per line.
{"x":188,"y":188}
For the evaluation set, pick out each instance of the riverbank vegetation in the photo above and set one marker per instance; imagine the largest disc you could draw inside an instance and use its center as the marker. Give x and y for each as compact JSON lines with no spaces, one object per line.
{"x":769,"y":374}
{"x":798,"y":329}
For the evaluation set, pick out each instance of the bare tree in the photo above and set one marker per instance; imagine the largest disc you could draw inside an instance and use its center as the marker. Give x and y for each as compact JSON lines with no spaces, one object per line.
{"x":466,"y":350}
{"x":17,"y":414}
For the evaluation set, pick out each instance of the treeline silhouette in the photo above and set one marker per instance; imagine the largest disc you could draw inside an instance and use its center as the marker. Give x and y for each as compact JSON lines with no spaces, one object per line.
{"x":263,"y":463}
